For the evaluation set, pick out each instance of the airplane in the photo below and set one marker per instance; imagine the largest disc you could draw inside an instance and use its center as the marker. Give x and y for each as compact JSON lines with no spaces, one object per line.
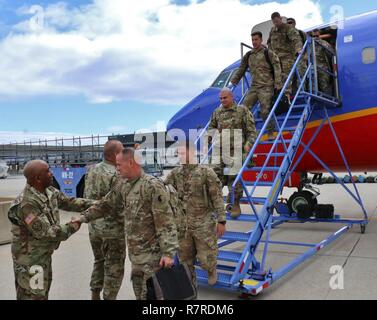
{"x":353,"y":120}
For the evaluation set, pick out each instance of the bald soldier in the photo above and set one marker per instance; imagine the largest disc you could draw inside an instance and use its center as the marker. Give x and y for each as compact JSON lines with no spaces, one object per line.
{"x":150,"y":229}
{"x":232,"y":122}
{"x":37,"y":231}
{"x":106,"y":235}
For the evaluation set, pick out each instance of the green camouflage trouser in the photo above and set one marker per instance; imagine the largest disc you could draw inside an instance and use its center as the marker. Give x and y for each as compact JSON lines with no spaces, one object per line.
{"x":264,"y":96}
{"x":140,"y":273}
{"x":108,"y":268}
{"x":202,"y":245}
{"x":302,"y":67}
{"x":227,"y":180}
{"x":286,"y":67}
{"x":25,"y":278}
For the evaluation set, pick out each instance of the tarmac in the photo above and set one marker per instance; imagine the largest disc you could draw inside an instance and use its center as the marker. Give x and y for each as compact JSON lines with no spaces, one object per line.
{"x":311,"y":280}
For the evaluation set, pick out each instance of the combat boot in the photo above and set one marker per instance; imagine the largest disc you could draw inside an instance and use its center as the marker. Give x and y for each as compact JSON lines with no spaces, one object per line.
{"x":212,"y":277}
{"x":235,"y":212}
{"x":96,"y":295}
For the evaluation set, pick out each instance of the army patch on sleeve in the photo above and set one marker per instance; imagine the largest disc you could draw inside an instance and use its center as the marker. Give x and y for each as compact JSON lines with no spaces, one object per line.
{"x":37,"y":226}
{"x":30,"y":218}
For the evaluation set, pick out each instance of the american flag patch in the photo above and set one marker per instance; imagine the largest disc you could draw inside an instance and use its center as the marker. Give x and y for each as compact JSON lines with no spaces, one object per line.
{"x":29,"y":219}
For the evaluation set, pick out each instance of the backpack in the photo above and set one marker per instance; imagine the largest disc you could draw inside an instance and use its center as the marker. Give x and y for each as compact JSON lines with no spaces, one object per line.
{"x":179,"y":215}
{"x":268,"y":60}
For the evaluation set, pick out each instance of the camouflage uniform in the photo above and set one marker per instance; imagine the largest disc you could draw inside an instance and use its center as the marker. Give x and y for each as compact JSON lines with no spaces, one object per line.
{"x":150,"y":230}
{"x":324,"y":60}
{"x":37,"y":232}
{"x":235,"y":117}
{"x":264,"y":80}
{"x":303,"y":65}
{"x":200,"y":191}
{"x":285,"y":42}
{"x":106,"y":235}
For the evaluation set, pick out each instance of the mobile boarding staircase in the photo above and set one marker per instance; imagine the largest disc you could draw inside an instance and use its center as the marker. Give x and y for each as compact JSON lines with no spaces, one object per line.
{"x":242,"y":270}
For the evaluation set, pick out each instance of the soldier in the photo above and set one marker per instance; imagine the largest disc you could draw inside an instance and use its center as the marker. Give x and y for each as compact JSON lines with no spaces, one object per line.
{"x":200,"y":191}
{"x":265,"y":68}
{"x":285,"y":41}
{"x":292,"y":22}
{"x":37,"y":231}
{"x":106,"y":235}
{"x":150,"y":230}
{"x":304,"y":62}
{"x":324,"y":61}
{"x":232,"y":117}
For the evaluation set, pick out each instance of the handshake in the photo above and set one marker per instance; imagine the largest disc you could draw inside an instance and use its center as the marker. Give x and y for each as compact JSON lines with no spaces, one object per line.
{"x":75,"y":223}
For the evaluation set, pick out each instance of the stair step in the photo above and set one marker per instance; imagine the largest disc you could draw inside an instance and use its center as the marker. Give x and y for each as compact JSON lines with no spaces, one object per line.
{"x":272,"y":154}
{"x":229,"y":256}
{"x":222,"y":278}
{"x":236,"y":236}
{"x":298,"y":106}
{"x":242,"y":218}
{"x":258,"y":169}
{"x":272,"y":142}
{"x":291,"y":117}
{"x":260,"y":184}
{"x":291,"y":129}
{"x":255,"y":200}
{"x":281,"y":118}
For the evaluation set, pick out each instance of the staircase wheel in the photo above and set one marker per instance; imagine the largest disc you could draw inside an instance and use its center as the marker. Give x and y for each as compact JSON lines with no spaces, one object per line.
{"x":301,"y":198}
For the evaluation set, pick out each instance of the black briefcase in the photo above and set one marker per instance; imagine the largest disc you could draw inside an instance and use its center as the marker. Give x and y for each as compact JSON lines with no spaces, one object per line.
{"x":171,"y":284}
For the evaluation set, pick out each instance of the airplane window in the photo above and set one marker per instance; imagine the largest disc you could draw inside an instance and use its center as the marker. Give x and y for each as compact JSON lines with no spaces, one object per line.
{"x":222,"y":80}
{"x":369,"y":55}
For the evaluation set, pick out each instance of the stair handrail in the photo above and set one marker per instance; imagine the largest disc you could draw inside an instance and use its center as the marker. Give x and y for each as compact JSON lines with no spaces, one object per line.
{"x":272,"y":112}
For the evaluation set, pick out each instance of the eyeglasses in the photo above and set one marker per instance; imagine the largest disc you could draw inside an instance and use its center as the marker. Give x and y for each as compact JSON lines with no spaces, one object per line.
{"x":290,"y":22}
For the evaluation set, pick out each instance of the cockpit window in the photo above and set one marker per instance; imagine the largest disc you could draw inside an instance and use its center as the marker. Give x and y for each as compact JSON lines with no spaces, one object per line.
{"x":222,"y":80}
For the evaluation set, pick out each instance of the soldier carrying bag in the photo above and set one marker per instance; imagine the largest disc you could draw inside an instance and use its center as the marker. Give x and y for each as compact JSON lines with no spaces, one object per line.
{"x":171,"y":284}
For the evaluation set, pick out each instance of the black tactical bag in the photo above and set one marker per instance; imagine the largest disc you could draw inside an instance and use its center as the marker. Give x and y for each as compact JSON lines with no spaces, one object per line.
{"x":283,"y":105}
{"x":171,"y":284}
{"x":324,"y":211}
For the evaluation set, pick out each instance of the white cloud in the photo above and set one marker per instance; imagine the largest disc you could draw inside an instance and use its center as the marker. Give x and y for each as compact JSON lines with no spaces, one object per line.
{"x":149,"y":51}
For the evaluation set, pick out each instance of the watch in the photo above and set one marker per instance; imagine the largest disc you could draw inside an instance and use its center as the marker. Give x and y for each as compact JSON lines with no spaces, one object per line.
{"x":222,"y":222}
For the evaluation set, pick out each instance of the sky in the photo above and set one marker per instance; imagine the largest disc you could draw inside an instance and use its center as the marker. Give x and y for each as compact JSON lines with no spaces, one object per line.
{"x":83,"y":67}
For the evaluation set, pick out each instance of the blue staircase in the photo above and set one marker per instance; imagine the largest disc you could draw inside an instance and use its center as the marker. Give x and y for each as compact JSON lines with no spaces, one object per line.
{"x":243,"y":271}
